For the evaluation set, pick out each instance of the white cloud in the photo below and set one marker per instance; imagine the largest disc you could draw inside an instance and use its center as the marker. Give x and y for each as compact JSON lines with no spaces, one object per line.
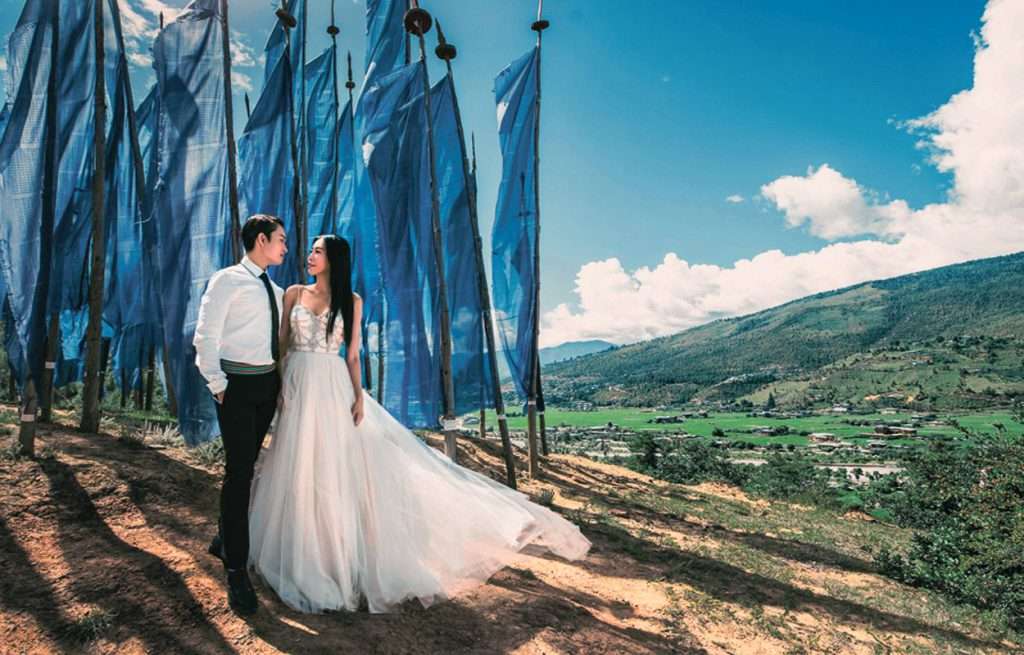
{"x":141,"y":60}
{"x":241,"y":81}
{"x":156,"y":7}
{"x":136,"y":26}
{"x":834,"y":206}
{"x":734,"y":199}
{"x":241,"y":53}
{"x":977,"y":136}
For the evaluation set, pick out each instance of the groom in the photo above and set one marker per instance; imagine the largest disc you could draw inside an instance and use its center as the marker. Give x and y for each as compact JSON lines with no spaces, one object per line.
{"x":237,"y":347}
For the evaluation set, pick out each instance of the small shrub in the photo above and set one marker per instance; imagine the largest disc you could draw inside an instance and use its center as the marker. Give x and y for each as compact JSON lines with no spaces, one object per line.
{"x":131,"y":438}
{"x":210,"y":454}
{"x":544,"y":497}
{"x":93,"y":625}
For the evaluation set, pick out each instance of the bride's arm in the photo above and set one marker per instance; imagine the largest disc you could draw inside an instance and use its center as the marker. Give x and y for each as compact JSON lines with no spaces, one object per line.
{"x":284,"y":335}
{"x":352,"y":359}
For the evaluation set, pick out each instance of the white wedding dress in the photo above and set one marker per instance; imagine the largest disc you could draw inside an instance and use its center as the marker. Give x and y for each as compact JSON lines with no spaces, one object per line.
{"x":341,"y":513}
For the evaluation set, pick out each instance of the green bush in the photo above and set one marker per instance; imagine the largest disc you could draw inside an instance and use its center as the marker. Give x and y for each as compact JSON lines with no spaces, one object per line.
{"x":791,"y":477}
{"x":697,"y":461}
{"x":967,"y":504}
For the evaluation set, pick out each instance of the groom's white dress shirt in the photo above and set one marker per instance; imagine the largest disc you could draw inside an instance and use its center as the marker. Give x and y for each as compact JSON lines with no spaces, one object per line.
{"x":234,"y":322}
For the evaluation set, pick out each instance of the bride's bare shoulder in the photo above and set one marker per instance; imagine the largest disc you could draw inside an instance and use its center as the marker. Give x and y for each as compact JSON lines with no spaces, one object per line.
{"x":356,"y":299}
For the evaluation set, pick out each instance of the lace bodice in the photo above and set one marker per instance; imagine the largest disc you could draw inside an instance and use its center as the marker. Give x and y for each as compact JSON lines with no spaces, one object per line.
{"x":309,"y":331}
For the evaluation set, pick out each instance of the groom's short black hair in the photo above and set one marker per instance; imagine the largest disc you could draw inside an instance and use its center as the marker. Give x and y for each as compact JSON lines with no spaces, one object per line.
{"x":256,"y":225}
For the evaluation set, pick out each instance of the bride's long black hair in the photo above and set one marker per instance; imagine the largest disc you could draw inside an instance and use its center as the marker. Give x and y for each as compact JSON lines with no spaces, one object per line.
{"x":339,"y":258}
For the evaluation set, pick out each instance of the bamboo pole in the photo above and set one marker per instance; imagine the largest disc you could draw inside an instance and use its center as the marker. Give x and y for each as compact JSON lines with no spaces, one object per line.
{"x":133,"y":140}
{"x":380,"y":362}
{"x":288,"y":22}
{"x":538,"y":26}
{"x":91,"y":391}
{"x":447,"y":52}
{"x":150,"y":379}
{"x":27,"y":428}
{"x":332,"y":212}
{"x":172,"y":400}
{"x":49,"y":368}
{"x":172,"y":397}
{"x":541,"y":408}
{"x":229,"y":130}
{"x":125,"y":392}
{"x":532,"y":446}
{"x":303,"y":218}
{"x":27,"y":423}
{"x":417,"y":23}
{"x":350,"y":86}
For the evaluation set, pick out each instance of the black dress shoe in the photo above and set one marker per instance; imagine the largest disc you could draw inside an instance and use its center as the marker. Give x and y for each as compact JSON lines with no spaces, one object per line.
{"x":217,"y":549}
{"x":241,"y":595}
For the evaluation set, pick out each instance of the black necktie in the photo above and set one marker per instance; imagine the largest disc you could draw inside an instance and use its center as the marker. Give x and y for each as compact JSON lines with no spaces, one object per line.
{"x":274,"y":318}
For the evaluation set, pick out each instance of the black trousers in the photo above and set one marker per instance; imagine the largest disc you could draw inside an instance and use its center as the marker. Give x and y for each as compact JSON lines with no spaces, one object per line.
{"x":244,"y":417}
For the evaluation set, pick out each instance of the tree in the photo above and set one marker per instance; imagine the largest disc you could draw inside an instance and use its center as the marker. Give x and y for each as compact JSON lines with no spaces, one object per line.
{"x":771,"y":401}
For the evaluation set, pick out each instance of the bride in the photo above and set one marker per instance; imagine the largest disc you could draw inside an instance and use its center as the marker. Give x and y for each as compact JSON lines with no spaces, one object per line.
{"x":349,"y":508}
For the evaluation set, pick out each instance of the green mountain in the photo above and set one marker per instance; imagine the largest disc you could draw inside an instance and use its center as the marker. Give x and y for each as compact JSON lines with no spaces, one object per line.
{"x":943,"y":337}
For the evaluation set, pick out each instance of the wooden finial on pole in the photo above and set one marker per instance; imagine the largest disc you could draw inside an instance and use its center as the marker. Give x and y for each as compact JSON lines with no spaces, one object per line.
{"x":444,"y":50}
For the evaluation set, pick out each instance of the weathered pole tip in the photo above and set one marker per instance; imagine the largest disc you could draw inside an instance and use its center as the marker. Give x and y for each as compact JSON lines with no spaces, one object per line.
{"x":286,"y":19}
{"x":350,"y":84}
{"x":417,"y":21}
{"x":444,"y":50}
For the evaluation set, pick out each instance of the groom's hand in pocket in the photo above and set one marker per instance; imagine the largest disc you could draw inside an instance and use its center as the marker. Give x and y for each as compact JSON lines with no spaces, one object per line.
{"x":219,"y":397}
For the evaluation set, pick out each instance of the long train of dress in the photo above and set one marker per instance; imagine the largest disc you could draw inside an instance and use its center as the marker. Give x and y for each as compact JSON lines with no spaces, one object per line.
{"x":341,"y":512}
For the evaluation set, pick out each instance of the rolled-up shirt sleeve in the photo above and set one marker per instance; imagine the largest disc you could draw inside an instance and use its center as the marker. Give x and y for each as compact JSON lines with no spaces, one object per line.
{"x":213,"y":310}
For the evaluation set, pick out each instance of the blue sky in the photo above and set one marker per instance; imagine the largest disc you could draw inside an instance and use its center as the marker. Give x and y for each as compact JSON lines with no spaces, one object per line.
{"x":657,"y":111}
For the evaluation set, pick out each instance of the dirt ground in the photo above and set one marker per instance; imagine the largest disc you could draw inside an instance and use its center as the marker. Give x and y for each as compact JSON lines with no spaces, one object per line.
{"x":102,"y":550}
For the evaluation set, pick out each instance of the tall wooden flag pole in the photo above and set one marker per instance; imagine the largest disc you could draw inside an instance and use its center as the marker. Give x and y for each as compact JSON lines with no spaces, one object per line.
{"x":229,"y":131}
{"x":446,"y":52}
{"x":287,"y":24}
{"x":27,"y":424}
{"x":98,"y":256}
{"x":538,"y":26}
{"x":332,"y":207}
{"x":417,"y":23}
{"x":140,"y":177}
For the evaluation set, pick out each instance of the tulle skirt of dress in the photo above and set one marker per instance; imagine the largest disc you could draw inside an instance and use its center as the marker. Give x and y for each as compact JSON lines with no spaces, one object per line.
{"x":340,"y":513}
